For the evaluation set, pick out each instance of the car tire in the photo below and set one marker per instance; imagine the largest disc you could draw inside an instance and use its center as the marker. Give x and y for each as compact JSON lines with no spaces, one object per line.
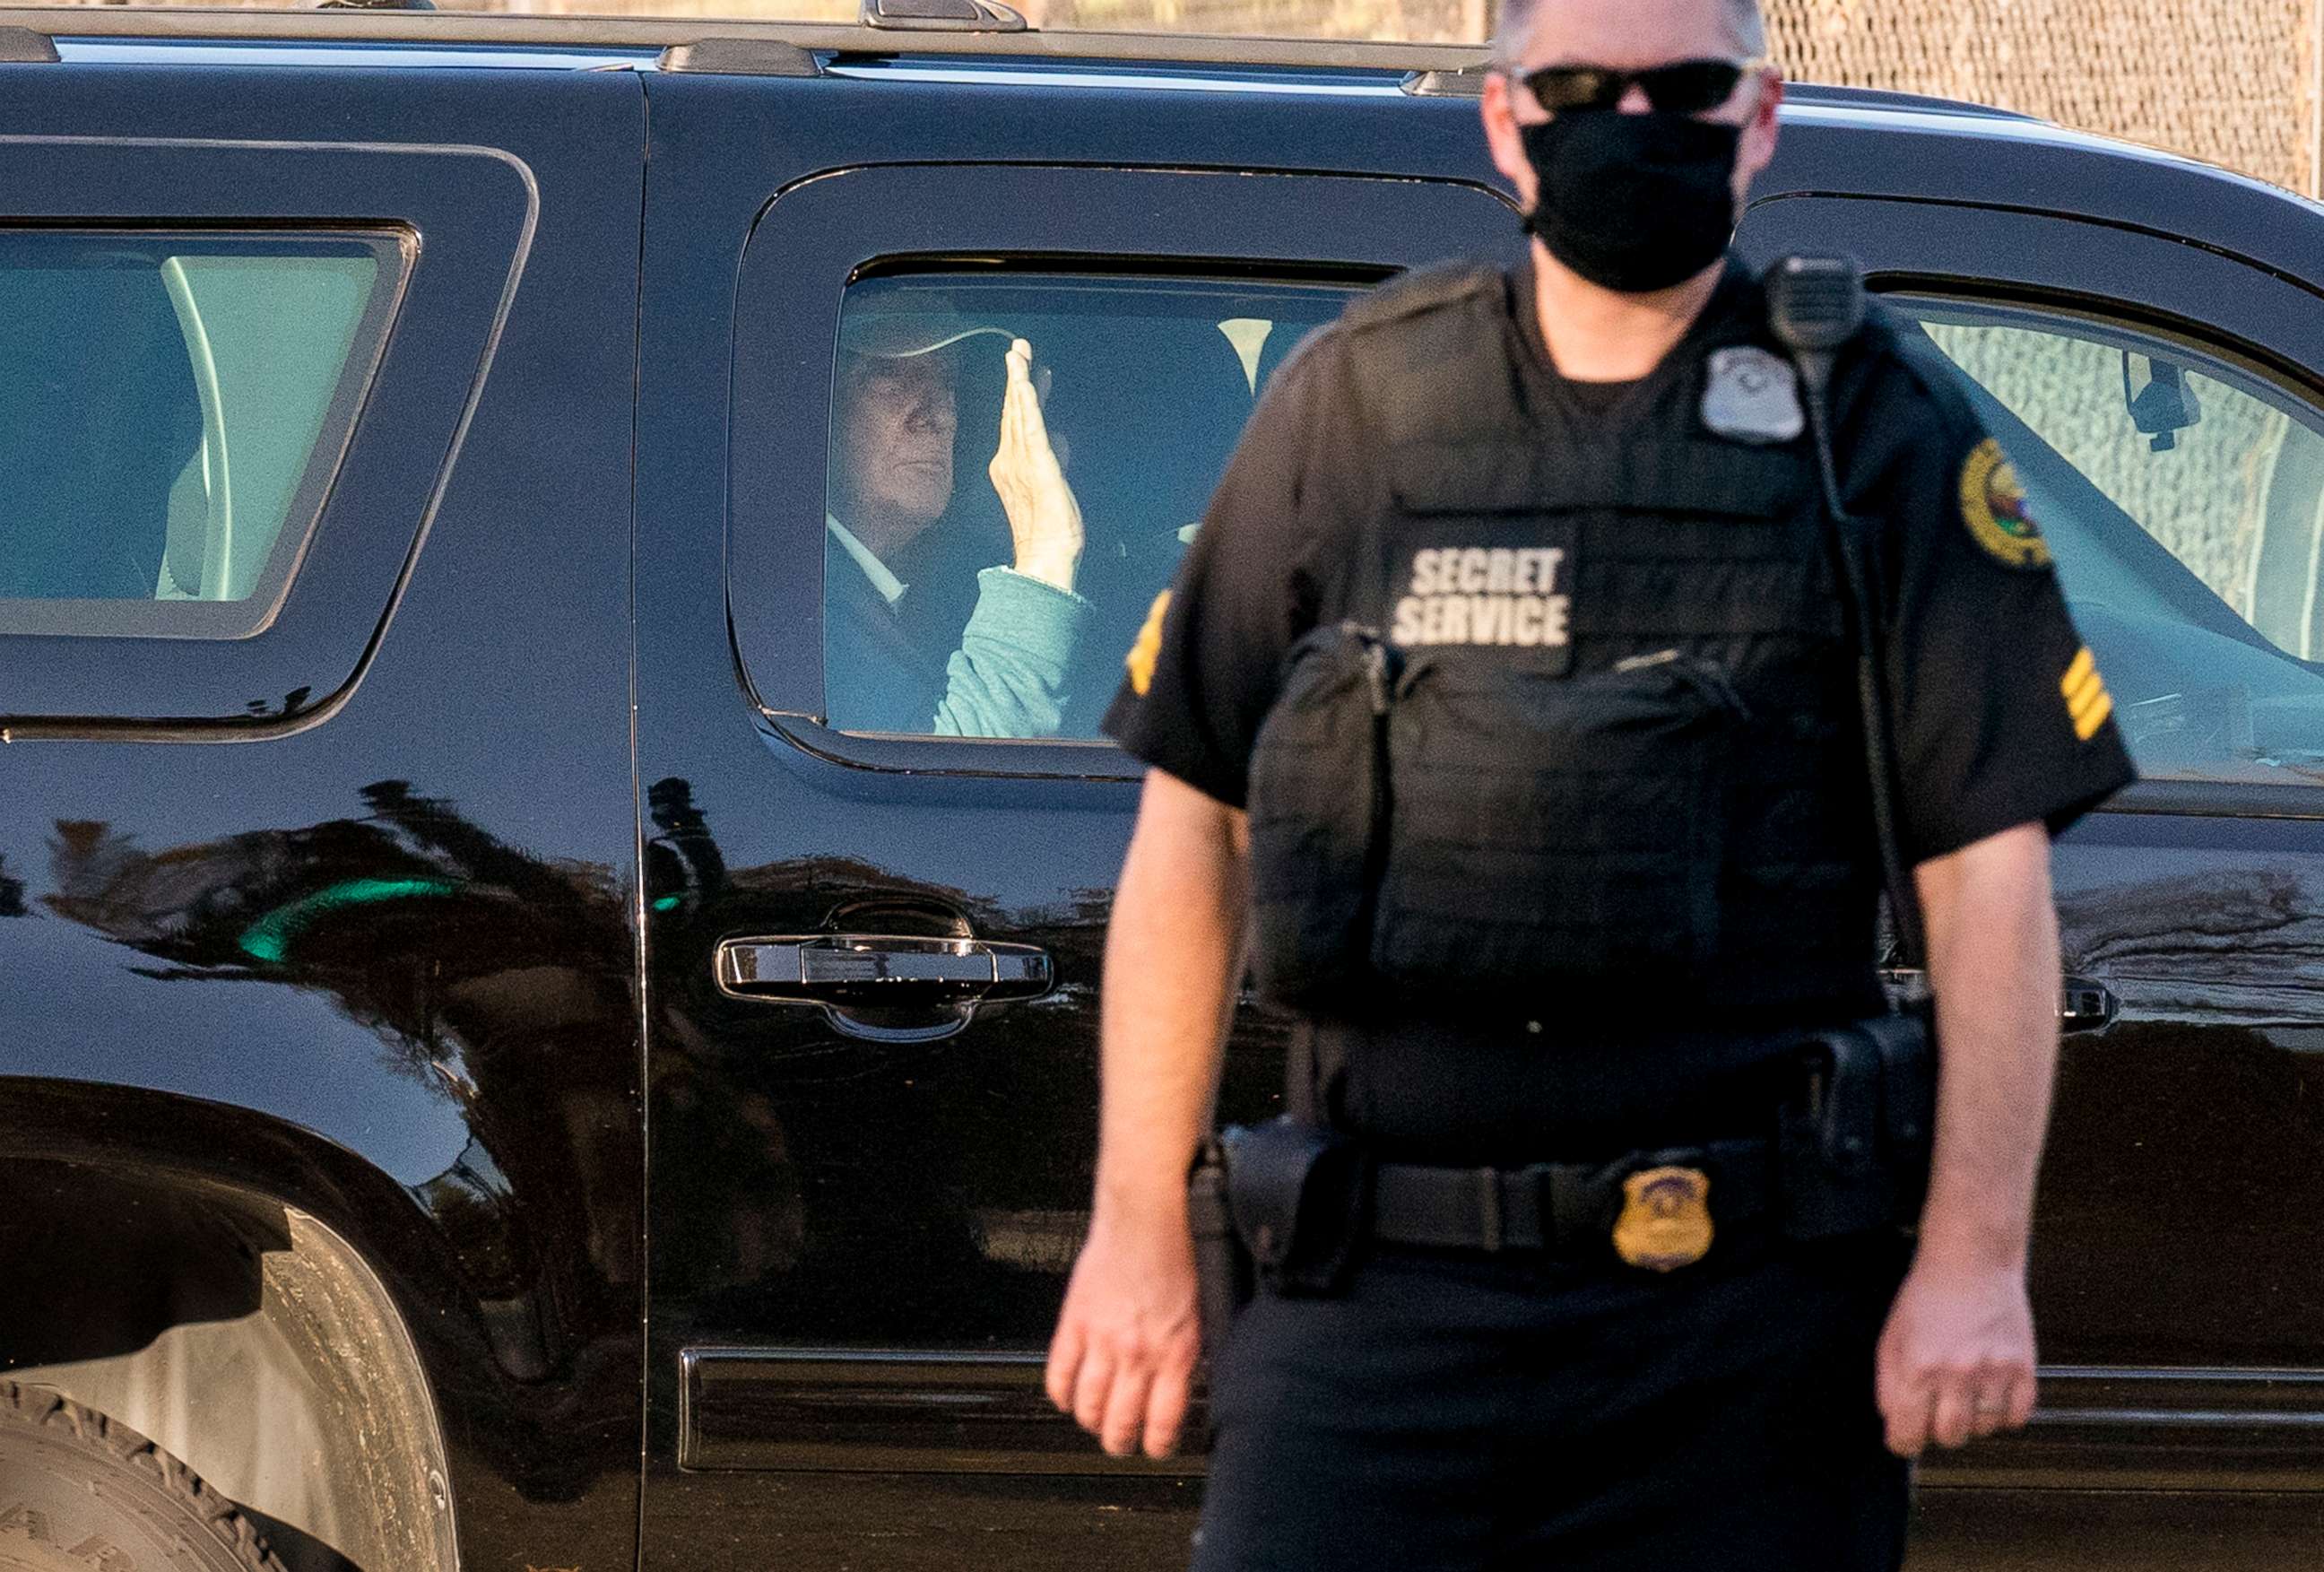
{"x":81,"y":1492}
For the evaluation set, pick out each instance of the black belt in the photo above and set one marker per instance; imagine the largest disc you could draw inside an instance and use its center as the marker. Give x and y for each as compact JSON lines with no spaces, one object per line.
{"x":1555,"y":1206}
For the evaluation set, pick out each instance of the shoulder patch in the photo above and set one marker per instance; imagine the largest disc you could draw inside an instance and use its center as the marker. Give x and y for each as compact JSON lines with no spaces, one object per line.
{"x":1148,"y":647}
{"x":1428,"y":289}
{"x":1994,"y":505}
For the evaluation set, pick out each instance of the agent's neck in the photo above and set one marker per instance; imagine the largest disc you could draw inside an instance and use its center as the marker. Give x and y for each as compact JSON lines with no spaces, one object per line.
{"x":1594,"y":334}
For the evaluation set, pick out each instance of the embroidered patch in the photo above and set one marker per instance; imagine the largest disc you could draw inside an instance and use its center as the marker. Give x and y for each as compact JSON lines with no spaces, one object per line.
{"x":2087,"y":699}
{"x":1486,"y":594}
{"x":1752,"y":396}
{"x":1148,"y":647}
{"x":1994,"y":504}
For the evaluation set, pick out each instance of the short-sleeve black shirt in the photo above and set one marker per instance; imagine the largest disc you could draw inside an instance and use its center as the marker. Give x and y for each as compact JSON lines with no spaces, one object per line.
{"x":2001,"y":718}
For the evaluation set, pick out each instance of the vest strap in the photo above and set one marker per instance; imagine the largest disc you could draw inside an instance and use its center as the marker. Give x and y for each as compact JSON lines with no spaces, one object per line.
{"x":1513,"y":471}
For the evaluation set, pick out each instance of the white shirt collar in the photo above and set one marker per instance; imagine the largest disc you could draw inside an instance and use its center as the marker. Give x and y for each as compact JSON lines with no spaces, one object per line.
{"x":891,"y":587}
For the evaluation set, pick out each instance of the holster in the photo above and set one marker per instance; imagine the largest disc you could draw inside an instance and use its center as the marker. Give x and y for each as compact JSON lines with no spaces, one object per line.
{"x":1284,"y":1204}
{"x":1856,"y":1139}
{"x":1224,"y":1277}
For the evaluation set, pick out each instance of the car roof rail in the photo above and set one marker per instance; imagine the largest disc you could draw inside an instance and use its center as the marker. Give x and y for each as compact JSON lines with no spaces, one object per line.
{"x":740,"y":57}
{"x":943,"y":16}
{"x":1467,"y":82}
{"x":1837,"y":97}
{"x":21,"y":46}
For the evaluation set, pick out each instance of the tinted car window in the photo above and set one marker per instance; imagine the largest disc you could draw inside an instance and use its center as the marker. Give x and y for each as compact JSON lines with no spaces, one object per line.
{"x":941,"y":618}
{"x":2183,"y":499}
{"x":169,"y":411}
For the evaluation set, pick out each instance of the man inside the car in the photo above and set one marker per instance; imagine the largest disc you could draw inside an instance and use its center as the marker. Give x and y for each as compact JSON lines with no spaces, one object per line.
{"x":892,"y":662}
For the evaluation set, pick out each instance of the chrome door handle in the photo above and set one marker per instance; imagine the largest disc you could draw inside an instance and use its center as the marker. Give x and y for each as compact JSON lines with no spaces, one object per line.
{"x":941,"y":979}
{"x":2083,"y":1006}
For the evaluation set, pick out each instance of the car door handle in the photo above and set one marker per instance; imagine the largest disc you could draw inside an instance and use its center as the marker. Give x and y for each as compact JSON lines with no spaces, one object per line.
{"x":879,"y":970}
{"x":2083,"y":1006}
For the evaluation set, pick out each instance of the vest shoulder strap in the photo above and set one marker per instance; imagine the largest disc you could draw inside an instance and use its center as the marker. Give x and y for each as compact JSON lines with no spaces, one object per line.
{"x":1431,"y":352}
{"x":1892,"y":343}
{"x":1429,"y":288}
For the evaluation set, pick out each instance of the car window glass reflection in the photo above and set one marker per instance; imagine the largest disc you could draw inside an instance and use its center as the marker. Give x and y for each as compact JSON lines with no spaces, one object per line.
{"x":2183,"y":500}
{"x":1016,"y":465}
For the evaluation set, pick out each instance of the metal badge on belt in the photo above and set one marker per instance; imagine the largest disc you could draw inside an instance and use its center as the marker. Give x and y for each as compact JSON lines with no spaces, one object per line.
{"x":1752,"y":396}
{"x":1666,"y":1221}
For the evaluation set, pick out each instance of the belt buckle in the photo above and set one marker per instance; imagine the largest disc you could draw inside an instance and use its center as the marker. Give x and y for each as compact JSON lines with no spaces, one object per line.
{"x":1665,"y":1218}
{"x":1492,"y":1233}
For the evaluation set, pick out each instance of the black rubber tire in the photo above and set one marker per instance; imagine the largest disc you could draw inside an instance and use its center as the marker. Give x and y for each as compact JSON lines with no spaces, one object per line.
{"x":79,"y":1492}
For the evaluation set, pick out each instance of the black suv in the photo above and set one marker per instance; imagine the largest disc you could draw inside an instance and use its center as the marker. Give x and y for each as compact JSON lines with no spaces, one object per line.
{"x":502,"y":1062}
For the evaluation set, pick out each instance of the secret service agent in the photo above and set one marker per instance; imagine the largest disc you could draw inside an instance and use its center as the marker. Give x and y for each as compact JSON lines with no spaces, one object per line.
{"x":1556,"y":527}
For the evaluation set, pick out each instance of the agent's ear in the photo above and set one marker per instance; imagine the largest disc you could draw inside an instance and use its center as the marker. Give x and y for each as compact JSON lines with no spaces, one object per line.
{"x":1498,"y":106}
{"x":1758,"y":145}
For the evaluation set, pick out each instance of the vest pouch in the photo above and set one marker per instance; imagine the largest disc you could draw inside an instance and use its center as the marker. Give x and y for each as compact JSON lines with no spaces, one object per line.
{"x":1318,"y":809}
{"x":1555,"y":832}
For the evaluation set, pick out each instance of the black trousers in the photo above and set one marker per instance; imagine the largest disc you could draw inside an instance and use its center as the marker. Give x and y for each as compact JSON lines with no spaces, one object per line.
{"x":1469,"y":1413}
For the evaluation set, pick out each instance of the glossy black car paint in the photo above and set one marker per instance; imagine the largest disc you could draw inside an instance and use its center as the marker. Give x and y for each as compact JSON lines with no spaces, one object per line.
{"x":583,"y":1172}
{"x":450,"y":1081}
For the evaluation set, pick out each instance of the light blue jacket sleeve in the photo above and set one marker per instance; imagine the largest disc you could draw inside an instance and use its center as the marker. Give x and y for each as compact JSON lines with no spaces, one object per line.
{"x":1011,"y":676}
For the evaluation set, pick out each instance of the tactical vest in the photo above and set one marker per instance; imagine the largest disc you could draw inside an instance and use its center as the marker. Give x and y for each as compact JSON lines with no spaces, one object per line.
{"x":1575,"y":730}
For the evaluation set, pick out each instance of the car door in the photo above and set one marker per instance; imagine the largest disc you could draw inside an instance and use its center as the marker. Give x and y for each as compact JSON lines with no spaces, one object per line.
{"x":315,"y":393}
{"x":2161,"y":400}
{"x":875,"y":928}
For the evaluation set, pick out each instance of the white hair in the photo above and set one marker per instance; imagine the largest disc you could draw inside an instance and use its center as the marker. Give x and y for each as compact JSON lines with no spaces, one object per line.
{"x":1746,"y":26}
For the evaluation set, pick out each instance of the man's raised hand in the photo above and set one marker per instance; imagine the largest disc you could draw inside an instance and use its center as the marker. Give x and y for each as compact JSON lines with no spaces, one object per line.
{"x":1044,"y":521}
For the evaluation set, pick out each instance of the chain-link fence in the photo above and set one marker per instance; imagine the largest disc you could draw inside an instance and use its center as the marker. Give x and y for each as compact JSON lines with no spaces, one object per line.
{"x":2233,"y":81}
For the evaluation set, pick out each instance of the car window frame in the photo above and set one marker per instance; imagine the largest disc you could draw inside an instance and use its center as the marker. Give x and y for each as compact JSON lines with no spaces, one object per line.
{"x":465,"y":216}
{"x":2212,"y":612}
{"x":2125,"y":276}
{"x":815,"y":238}
{"x":395,"y":250}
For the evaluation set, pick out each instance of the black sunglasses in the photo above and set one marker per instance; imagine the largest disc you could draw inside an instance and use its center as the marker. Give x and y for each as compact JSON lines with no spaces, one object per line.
{"x":1685,"y":86}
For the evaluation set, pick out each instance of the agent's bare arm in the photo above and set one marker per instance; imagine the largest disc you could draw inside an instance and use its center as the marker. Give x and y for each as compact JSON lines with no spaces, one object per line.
{"x":1126,"y":1343}
{"x":1956,"y":1357}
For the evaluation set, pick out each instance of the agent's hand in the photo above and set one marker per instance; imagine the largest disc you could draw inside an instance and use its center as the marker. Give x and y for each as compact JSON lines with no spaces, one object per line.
{"x":1044,"y":519}
{"x":1122,"y":1362}
{"x":1956,"y":1359}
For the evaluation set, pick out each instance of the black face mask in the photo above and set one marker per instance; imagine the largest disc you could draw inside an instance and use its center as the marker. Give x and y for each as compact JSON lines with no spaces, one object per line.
{"x":1633,"y":202}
